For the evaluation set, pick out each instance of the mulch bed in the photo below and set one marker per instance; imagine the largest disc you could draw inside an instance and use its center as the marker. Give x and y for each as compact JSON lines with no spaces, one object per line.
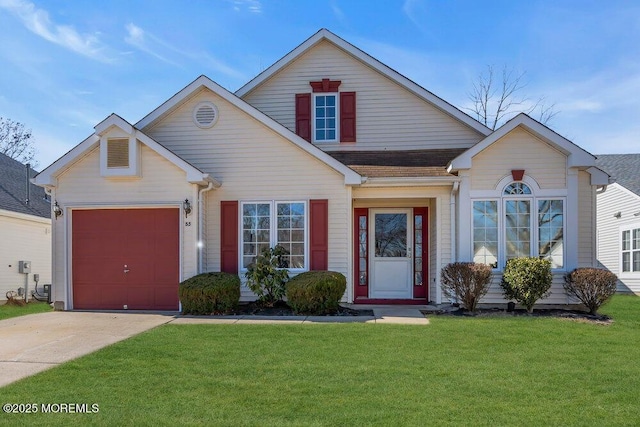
{"x":282,"y":309}
{"x":575,"y":315}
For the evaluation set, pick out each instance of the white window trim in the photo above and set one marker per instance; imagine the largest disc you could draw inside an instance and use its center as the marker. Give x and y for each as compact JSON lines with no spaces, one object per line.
{"x":274,"y":231}
{"x":313,"y":118}
{"x":535,"y":196}
{"x":630,"y":228}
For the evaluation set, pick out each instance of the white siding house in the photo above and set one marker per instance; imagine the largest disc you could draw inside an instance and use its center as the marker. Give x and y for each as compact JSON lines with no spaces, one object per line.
{"x":346,"y":163}
{"x":619,"y":220}
{"x":25,"y":230}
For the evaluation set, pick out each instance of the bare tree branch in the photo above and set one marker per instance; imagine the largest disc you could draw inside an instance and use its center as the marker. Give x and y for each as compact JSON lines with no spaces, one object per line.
{"x":494,"y":102}
{"x":17,"y":142}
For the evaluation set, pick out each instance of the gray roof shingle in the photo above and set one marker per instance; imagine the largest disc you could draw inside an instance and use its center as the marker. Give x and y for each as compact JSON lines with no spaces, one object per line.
{"x":624,"y":168}
{"x":13,"y":193}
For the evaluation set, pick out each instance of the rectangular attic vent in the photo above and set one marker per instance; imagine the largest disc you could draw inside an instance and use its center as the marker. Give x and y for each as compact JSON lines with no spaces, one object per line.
{"x":118,"y":153}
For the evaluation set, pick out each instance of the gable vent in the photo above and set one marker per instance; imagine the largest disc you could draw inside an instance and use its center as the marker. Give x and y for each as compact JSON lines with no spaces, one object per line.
{"x":118,"y":153}
{"x":205,"y":115}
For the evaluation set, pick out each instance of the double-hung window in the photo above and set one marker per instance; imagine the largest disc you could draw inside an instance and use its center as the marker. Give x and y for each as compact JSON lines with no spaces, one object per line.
{"x":630,"y":258}
{"x":518,"y":224}
{"x":325,"y":117}
{"x":267,"y":224}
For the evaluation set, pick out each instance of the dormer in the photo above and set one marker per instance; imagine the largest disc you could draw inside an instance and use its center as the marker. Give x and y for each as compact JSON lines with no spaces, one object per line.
{"x":119,"y":149}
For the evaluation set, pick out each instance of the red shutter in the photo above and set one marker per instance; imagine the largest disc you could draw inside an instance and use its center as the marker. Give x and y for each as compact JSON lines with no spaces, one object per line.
{"x":229,"y":236}
{"x":319,"y":235}
{"x":347,"y":117}
{"x":303,"y":115}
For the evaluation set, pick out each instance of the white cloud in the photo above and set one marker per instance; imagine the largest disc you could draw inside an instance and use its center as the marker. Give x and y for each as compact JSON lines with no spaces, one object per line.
{"x":253,"y":6}
{"x":38,"y":21}
{"x":416,"y":11}
{"x":142,"y":40}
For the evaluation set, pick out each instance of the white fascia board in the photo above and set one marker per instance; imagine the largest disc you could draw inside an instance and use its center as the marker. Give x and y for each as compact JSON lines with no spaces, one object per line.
{"x":576,"y":156}
{"x":598,"y":176}
{"x":350,"y":176}
{"x":625,"y":190}
{"x":27,"y":217}
{"x":113,"y":120}
{"x":373,"y":63}
{"x":47,"y":178}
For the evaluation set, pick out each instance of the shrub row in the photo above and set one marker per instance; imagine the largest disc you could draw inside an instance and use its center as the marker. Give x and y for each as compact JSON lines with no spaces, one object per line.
{"x":526,"y":280}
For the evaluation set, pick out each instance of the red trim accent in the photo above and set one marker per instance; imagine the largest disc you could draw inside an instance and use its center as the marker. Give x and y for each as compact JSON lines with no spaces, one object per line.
{"x":360,"y":291}
{"x":390,"y":301}
{"x":319,"y":234}
{"x":423,"y":290}
{"x":517,"y":174}
{"x":347,"y":117}
{"x":229,"y":236}
{"x":303,"y":115}
{"x":325,"y":85}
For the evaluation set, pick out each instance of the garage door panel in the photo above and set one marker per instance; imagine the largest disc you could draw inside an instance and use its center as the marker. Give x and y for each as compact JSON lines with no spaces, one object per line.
{"x":145,"y":240}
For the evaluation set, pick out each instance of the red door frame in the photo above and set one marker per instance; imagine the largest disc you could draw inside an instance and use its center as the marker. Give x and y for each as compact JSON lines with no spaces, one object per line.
{"x":361,"y":291}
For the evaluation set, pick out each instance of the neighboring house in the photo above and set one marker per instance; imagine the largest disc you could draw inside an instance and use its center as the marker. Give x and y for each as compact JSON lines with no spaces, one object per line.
{"x":619,"y":220}
{"x":25,"y":229}
{"x":346,"y":163}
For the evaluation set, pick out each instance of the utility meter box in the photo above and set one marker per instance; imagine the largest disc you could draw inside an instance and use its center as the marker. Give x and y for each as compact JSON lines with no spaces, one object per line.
{"x":24,"y":267}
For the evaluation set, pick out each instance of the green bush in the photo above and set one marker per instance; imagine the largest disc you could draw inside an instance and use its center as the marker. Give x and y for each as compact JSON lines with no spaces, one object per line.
{"x":526,"y":280}
{"x":467,"y":282}
{"x":316,"y":292}
{"x":267,"y":276}
{"x":209,"y":293}
{"x":592,"y":286}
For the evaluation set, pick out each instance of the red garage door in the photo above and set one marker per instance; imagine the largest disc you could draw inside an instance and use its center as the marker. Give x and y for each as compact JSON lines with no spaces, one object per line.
{"x":125,"y":257}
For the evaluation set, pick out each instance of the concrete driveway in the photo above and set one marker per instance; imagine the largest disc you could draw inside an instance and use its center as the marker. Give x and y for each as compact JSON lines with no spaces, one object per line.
{"x":33,"y":343}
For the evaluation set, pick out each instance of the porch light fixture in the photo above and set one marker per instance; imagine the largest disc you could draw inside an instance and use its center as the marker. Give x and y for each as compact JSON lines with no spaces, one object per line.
{"x":57,"y":211}
{"x":186,"y":205}
{"x":617,"y":215}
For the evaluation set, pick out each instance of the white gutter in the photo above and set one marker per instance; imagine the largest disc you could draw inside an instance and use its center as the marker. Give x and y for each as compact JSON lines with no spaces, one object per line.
{"x":452,"y":208}
{"x":201,"y":224}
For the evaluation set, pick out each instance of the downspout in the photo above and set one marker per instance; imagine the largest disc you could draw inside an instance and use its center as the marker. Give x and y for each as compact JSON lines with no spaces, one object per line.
{"x":201,"y":225}
{"x":452,"y":208}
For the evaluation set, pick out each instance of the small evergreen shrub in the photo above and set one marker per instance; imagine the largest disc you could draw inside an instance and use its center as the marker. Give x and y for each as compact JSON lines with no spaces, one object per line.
{"x":266,"y":277}
{"x":526,"y":280}
{"x":209,"y":293}
{"x":592,"y":286}
{"x":316,"y":292}
{"x":467,"y":282}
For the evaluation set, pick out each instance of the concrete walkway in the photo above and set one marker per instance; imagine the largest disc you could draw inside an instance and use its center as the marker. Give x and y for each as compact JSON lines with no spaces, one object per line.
{"x":33,"y":343}
{"x":30,"y":344}
{"x":406,"y":315}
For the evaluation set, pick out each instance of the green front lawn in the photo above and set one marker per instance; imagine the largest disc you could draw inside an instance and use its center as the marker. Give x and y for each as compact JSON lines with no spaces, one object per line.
{"x":457,"y":371}
{"x":7,"y":311}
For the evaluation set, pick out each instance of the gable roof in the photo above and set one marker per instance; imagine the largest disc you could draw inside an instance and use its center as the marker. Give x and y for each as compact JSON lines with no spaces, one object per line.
{"x":13,"y":190}
{"x":576,"y":156}
{"x":624,"y":168}
{"x":350,"y":176}
{"x":373,"y":63}
{"x":48,"y":176}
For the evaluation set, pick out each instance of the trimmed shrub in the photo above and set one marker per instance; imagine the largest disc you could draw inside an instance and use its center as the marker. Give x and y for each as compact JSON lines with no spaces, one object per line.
{"x":592,"y":286}
{"x":267,"y":276}
{"x":209,"y":293}
{"x":316,"y":292}
{"x":467,"y":282}
{"x":526,"y":280}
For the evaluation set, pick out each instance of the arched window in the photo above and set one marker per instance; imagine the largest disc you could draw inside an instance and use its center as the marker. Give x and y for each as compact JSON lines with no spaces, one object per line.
{"x":517,"y":188}
{"x":518,"y":223}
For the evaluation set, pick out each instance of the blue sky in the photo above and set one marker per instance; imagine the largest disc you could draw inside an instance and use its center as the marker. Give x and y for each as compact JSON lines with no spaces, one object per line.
{"x":66,"y":65}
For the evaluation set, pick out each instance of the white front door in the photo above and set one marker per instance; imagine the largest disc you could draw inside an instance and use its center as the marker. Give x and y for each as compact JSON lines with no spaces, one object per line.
{"x":390,"y":257}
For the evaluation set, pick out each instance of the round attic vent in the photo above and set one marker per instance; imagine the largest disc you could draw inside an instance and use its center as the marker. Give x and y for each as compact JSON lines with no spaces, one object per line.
{"x":205,"y":115}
